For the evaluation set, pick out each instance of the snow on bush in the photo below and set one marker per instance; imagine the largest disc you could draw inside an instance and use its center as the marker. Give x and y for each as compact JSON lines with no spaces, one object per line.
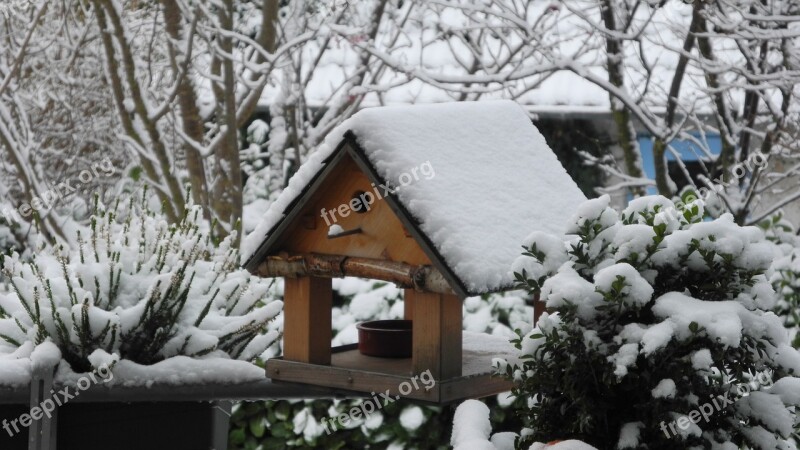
{"x":139,"y":289}
{"x":654,"y":314}
{"x":472,"y":430}
{"x":471,"y":427}
{"x":8,"y":239}
{"x":786,"y":272}
{"x":16,"y":234}
{"x":571,"y":444}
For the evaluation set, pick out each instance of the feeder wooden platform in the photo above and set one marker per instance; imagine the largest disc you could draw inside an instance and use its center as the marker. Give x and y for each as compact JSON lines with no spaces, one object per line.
{"x":350,"y":370}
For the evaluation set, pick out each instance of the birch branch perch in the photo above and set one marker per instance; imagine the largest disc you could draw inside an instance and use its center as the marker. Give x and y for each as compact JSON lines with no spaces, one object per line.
{"x":421,"y":278}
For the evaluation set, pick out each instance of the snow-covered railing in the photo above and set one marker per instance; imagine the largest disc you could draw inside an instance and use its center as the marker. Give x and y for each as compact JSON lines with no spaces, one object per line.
{"x":42,"y":433}
{"x":261,"y":390}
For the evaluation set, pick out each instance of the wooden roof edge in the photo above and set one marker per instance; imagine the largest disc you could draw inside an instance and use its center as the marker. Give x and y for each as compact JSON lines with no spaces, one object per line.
{"x":293,"y":209}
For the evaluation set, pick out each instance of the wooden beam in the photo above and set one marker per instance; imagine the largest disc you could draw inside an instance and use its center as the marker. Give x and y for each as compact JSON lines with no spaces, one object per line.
{"x":436,"y":334}
{"x":421,"y":278}
{"x":307,"y":319}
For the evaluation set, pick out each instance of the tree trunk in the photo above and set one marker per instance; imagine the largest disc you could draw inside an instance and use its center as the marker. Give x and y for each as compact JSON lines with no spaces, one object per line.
{"x":727,"y":154}
{"x":660,"y":145}
{"x":626,"y":134}
{"x":227,"y":202}
{"x":162,"y":172}
{"x":191,"y":121}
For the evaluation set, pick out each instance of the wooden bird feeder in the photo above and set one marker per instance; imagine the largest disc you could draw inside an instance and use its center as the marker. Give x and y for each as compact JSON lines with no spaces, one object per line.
{"x":404,"y":237}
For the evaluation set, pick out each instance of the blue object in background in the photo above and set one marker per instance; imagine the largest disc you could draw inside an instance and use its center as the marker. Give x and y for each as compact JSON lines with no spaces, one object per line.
{"x":688,"y":150}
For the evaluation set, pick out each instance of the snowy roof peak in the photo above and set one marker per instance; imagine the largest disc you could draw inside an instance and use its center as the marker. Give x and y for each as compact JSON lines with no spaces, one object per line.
{"x":475,"y":178}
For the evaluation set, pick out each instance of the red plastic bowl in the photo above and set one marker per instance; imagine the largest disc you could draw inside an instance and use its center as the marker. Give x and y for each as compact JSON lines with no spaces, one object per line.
{"x":385,"y":338}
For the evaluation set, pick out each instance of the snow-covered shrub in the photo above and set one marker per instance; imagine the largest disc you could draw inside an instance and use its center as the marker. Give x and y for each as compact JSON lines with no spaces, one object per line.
{"x":786,"y":281}
{"x":301,"y":424}
{"x":472,"y":429}
{"x":15,"y":234}
{"x":660,"y":336}
{"x":786,"y":272}
{"x":8,"y":239}
{"x":141,"y":288}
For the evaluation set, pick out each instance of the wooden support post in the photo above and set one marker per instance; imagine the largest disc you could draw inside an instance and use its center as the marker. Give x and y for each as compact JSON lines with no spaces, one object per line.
{"x":436,"y":334}
{"x":42,"y":432}
{"x":408,"y":304}
{"x":538,"y":308}
{"x":307,"y":319}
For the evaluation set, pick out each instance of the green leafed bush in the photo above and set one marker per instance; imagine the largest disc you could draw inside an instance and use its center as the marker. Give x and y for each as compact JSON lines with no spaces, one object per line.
{"x":786,"y":272}
{"x":660,"y":333}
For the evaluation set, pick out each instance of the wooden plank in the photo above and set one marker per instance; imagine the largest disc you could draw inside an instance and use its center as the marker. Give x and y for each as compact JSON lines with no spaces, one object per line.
{"x":351,"y":371}
{"x":307,"y":319}
{"x":353,"y":359}
{"x":348,"y":357}
{"x":374,"y":383}
{"x":437,"y":335}
{"x":475,"y":386}
{"x":408,"y":304}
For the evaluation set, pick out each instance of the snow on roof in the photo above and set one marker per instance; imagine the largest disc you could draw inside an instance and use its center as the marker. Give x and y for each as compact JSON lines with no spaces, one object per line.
{"x":487,"y":179}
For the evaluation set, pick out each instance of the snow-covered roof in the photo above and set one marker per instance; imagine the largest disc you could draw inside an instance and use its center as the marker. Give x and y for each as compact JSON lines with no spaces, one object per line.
{"x":494,"y":180}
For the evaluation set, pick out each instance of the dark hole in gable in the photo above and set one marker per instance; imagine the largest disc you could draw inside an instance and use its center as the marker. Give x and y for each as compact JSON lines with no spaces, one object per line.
{"x":361,"y":201}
